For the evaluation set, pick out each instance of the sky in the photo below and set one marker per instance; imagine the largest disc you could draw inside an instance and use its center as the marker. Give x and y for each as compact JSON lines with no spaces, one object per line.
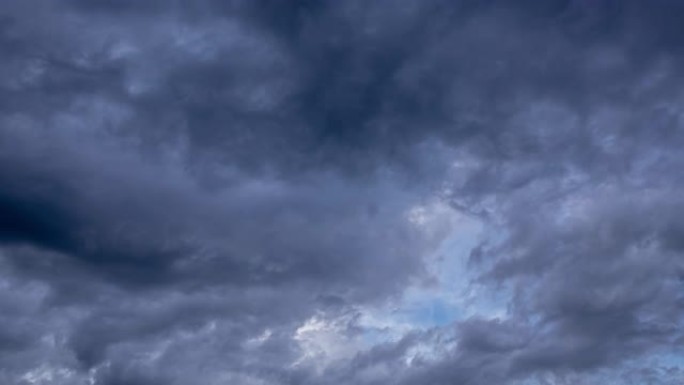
{"x":405,"y":192}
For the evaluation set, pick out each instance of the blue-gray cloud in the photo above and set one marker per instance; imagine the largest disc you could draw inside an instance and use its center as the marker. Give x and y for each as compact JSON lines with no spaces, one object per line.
{"x":236,"y":191}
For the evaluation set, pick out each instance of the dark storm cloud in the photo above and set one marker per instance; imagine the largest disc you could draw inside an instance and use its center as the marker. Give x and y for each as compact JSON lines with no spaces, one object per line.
{"x":177,"y":180}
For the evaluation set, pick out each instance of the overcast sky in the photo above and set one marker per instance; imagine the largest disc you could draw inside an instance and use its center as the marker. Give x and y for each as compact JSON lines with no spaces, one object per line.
{"x":386,"y":192}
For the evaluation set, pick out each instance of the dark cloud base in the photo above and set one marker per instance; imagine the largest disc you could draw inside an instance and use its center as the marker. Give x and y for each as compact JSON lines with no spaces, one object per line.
{"x":189,"y":188}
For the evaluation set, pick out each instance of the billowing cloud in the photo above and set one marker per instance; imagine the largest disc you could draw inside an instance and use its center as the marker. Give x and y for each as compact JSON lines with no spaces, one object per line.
{"x":351,"y":192}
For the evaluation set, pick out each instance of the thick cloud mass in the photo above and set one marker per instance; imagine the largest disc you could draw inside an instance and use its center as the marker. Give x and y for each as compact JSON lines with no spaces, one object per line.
{"x":345,"y":192}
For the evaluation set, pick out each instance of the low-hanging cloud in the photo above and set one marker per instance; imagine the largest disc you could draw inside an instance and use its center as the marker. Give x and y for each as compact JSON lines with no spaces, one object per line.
{"x":261,"y":192}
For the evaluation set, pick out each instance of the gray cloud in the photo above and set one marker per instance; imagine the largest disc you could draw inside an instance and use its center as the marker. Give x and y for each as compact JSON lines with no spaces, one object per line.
{"x":222,"y":192}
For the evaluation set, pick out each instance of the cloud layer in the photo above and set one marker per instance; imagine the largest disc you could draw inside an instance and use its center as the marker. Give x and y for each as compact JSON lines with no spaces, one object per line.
{"x":351,"y":192}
